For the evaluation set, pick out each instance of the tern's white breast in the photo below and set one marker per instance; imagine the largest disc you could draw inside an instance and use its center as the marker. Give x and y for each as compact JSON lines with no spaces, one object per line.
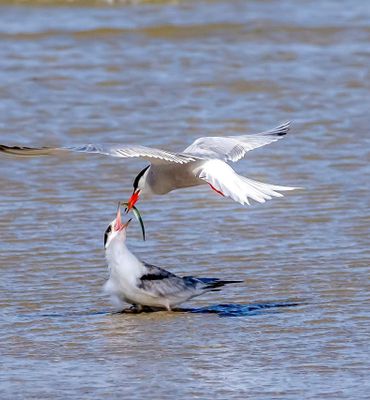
{"x":124,"y":271}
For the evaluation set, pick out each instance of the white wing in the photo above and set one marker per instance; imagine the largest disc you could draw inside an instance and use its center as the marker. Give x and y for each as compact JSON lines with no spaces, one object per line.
{"x":223,"y":178}
{"x":151,"y":154}
{"x":233,"y":148}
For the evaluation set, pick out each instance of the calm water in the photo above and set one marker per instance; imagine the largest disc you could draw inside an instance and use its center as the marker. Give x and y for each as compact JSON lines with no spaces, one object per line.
{"x":163,"y":75}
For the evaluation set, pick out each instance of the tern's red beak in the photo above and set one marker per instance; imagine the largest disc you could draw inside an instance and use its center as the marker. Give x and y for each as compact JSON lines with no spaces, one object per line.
{"x":119,"y":226}
{"x":133,"y":199}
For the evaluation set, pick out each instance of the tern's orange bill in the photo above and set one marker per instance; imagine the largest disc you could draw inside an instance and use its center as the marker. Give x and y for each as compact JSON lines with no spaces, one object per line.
{"x":133,"y":199}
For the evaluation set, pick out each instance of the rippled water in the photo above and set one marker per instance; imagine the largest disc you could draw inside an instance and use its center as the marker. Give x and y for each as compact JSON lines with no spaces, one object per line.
{"x":163,"y":75}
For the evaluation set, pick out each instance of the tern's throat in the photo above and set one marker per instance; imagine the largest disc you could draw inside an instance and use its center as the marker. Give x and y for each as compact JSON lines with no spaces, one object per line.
{"x":119,"y":256}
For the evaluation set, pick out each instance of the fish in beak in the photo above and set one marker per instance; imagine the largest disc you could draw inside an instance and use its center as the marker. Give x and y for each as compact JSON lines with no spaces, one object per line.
{"x":137,"y":216}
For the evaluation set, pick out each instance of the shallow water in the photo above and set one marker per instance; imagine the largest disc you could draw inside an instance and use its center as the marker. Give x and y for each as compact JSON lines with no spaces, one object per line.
{"x":163,"y":75}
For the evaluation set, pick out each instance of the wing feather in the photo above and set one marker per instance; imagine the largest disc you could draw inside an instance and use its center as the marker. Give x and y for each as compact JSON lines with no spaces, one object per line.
{"x":233,"y":148}
{"x":159,"y":282}
{"x":148,"y":153}
{"x":223,"y":178}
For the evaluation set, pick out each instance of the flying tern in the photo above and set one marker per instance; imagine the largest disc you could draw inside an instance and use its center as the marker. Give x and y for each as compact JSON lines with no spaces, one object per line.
{"x":205,"y":161}
{"x":144,"y":285}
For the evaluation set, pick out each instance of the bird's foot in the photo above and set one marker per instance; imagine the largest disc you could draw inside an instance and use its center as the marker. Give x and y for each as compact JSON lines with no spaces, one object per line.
{"x":137,"y":309}
{"x":134,"y":309}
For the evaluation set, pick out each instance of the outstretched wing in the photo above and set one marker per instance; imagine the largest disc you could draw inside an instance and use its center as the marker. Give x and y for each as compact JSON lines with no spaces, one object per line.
{"x":233,"y":148}
{"x":148,"y":153}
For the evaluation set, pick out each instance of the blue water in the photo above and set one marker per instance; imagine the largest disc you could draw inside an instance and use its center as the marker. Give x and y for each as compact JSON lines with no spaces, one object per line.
{"x":162,"y":75}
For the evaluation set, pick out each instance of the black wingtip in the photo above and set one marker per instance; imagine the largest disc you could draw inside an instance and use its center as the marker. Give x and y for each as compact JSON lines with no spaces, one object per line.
{"x":282,"y":129}
{"x":24,"y":151}
{"x":4,"y":148}
{"x":218,"y":283}
{"x":13,"y":150}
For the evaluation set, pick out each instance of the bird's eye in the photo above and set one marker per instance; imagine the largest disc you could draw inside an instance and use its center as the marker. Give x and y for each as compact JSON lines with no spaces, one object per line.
{"x":107,"y":232}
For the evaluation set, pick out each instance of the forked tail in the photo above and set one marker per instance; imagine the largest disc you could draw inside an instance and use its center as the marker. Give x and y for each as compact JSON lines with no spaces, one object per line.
{"x":224,"y":180}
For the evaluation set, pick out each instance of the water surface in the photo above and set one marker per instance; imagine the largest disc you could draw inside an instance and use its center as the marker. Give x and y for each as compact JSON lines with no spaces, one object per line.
{"x":164,"y":74}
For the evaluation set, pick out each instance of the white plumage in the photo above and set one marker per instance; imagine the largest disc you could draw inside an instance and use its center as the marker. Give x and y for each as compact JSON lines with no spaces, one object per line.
{"x":204,"y":161}
{"x":141,"y":284}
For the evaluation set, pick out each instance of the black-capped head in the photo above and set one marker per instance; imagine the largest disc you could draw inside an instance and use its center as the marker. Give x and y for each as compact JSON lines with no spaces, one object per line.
{"x":139,"y":181}
{"x":139,"y":185}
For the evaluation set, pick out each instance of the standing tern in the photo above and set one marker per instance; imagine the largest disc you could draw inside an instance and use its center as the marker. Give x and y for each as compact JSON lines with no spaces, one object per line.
{"x":205,"y":161}
{"x":145,"y":285}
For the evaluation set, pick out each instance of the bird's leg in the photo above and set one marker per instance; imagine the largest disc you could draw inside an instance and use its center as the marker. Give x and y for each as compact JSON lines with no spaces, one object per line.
{"x":216,"y":190}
